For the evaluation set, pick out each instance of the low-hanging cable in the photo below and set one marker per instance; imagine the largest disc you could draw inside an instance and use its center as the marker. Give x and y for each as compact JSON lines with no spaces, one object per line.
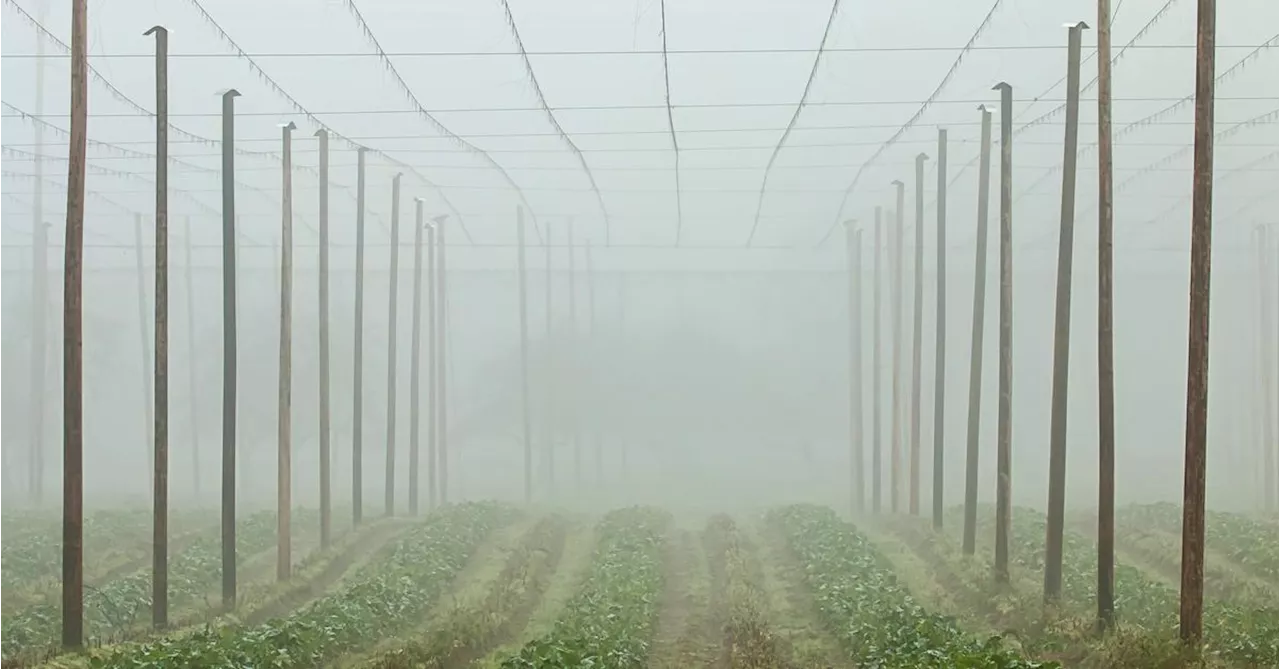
{"x":671,"y":121}
{"x":946,"y":79}
{"x":280,"y":91}
{"x":795,"y":116}
{"x":422,"y":111}
{"x":551,"y":117}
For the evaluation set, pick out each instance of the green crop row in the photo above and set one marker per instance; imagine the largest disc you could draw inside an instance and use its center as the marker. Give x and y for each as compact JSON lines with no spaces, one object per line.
{"x":609,"y":622}
{"x":1251,"y":542}
{"x":32,"y":548}
{"x":120,"y":603}
{"x":378,"y":600}
{"x":1235,"y":631}
{"x":873,"y":616}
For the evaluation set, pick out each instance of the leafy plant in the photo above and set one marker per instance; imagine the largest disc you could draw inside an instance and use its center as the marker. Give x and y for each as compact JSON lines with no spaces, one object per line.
{"x":610,"y":620}
{"x":380,"y":598}
{"x":873,"y":616}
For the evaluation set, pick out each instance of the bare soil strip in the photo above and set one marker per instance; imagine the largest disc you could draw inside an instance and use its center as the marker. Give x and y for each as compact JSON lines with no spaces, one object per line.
{"x":352,"y":552}
{"x":749,"y":641}
{"x":687,"y":633}
{"x":562,"y":583}
{"x":792,"y":612}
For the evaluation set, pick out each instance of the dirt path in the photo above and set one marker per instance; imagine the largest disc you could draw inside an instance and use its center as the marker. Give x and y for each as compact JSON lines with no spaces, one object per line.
{"x":791,"y":609}
{"x":562,"y":584}
{"x":352,"y":552}
{"x":687,"y":633}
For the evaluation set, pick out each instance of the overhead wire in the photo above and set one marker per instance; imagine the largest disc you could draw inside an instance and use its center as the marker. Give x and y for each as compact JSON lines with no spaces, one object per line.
{"x":946,"y":79}
{"x":555,"y":124}
{"x":280,"y":91}
{"x":1131,"y":44}
{"x":116,"y":93}
{"x":671,"y":121}
{"x":795,"y":116}
{"x":426,"y":115}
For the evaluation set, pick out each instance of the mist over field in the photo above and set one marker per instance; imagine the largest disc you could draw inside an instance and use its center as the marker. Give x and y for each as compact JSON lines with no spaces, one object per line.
{"x":683,"y":182}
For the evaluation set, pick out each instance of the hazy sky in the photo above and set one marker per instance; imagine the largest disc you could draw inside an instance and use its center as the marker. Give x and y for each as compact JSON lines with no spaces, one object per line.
{"x":729,"y":113}
{"x":731,"y":103}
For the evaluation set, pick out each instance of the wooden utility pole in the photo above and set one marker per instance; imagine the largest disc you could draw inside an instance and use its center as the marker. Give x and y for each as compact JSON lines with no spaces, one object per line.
{"x":1191,"y":609}
{"x":1004,"y":418}
{"x":1106,"y":344}
{"x":623,"y":437}
{"x":442,"y":367}
{"x":228,"y":351}
{"x":415,"y":356}
{"x":326,"y":520}
{"x":917,"y":334}
{"x":1267,"y":363}
{"x":192,"y":398}
{"x":1062,"y":328}
{"x":39,"y":293}
{"x":940,"y":335}
{"x":575,"y":392}
{"x":433,"y":368}
{"x":853,"y":250}
{"x":875,"y":370}
{"x":392,"y":322}
{"x":284,"y":417}
{"x":895,"y":438}
{"x":592,"y":352}
{"x":160,"y":476}
{"x":524,"y":358}
{"x":357,"y":402}
{"x":73,"y":342}
{"x":143,"y":331}
{"x":549,"y":363}
{"x":975,"y":351}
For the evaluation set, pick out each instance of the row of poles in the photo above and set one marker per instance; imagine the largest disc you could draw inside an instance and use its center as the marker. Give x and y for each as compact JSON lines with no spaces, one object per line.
{"x":1193,"y":522}
{"x":437,"y":296}
{"x":1192,"y":581}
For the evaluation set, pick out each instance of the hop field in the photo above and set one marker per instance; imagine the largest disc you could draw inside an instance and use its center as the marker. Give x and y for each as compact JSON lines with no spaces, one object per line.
{"x":487,"y":585}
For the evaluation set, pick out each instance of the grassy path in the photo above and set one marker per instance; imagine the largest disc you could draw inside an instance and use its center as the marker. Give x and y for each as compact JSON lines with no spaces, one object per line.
{"x":561,"y":584}
{"x":688,"y":634}
{"x":791,"y":609}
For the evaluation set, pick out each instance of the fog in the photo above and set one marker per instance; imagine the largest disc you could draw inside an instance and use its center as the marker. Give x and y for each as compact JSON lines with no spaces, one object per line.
{"x":708,"y":370}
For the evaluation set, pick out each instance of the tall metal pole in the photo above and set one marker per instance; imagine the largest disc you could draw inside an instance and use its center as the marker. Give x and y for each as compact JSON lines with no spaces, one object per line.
{"x":524,"y":358}
{"x":228,"y":351}
{"x":160,"y":476}
{"x":895,"y":438}
{"x":73,"y":341}
{"x":284,"y":443}
{"x":853,"y":250}
{"x":1106,"y":355}
{"x":1062,"y":328}
{"x":392,"y":322}
{"x":147,"y":395}
{"x":326,"y":520}
{"x":575,"y":393}
{"x":1191,"y":609}
{"x":442,"y":367}
{"x":975,"y":351}
{"x":357,"y":406}
{"x":191,"y":359}
{"x":875,"y":369}
{"x":940,"y":335}
{"x":433,"y":368}
{"x":39,"y":293}
{"x":549,"y":362}
{"x":1004,"y":419}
